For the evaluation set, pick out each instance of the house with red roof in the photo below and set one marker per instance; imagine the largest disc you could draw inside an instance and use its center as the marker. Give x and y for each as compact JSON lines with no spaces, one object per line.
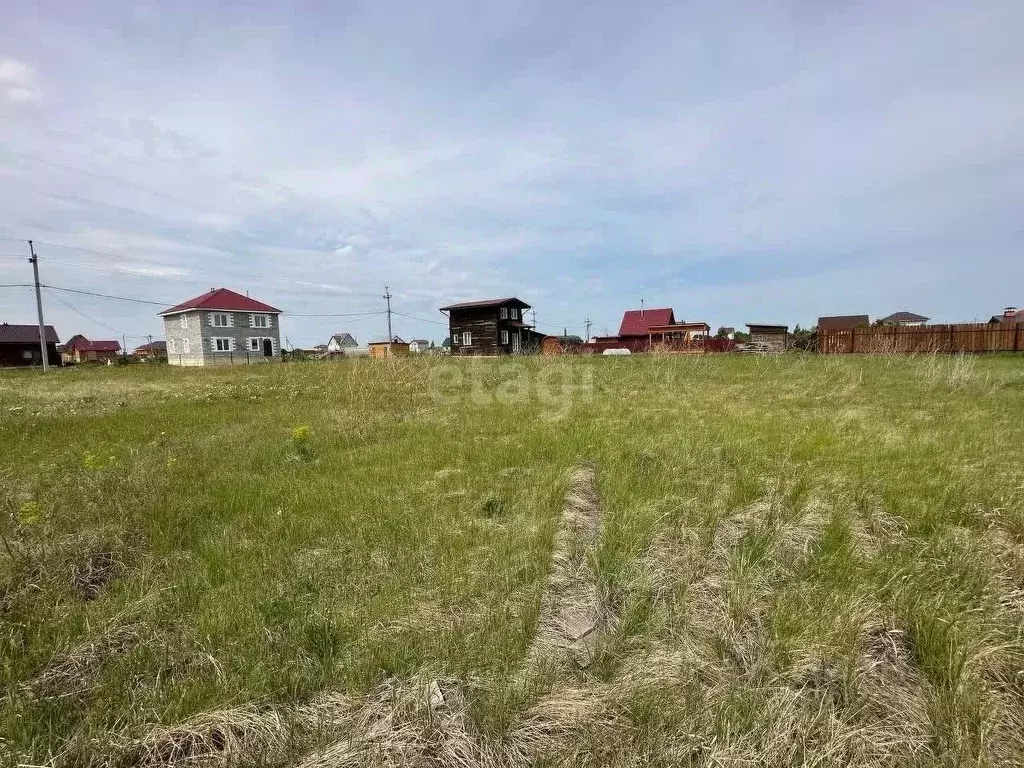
{"x":222,"y":327}
{"x":643,"y":329}
{"x":79,"y":349}
{"x":1009,"y":316}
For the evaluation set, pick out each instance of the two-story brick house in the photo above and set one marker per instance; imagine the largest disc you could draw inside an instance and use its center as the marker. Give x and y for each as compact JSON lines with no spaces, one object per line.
{"x":222,"y":327}
{"x":491,"y":327}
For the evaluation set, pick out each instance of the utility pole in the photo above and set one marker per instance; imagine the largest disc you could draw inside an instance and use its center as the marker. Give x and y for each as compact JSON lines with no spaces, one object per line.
{"x":39,"y":307}
{"x":124,"y":347}
{"x":387,"y":297}
{"x":588,"y":324}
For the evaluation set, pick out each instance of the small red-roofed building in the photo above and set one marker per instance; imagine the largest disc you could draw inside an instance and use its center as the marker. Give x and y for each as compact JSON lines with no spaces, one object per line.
{"x":79,"y":349}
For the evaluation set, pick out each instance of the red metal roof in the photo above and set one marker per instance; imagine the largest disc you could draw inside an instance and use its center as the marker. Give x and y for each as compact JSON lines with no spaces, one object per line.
{"x":83,"y":344}
{"x":637,"y":322}
{"x":104,"y":346}
{"x":224,"y":299}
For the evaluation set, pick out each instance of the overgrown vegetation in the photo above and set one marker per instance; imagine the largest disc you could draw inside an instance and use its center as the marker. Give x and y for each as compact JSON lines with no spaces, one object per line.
{"x":799,"y":560}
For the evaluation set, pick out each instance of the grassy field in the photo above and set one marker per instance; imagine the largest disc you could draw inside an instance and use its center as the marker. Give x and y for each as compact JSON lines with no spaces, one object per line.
{"x":784,"y":561}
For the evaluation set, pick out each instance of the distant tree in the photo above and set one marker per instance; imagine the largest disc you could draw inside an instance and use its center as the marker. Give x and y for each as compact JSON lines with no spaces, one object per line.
{"x":722,"y":333}
{"x":741,"y":337}
{"x":804,"y":338}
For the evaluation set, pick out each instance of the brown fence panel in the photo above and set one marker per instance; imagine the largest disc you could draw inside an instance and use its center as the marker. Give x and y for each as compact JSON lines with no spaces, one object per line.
{"x":925,"y":339}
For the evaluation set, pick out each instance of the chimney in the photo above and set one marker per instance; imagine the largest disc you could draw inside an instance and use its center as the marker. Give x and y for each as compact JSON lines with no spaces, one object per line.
{"x":641,"y":309}
{"x":1009,"y":312}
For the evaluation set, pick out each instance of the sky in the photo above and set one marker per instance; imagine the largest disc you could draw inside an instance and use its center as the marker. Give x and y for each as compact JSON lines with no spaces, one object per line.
{"x":739,"y":162}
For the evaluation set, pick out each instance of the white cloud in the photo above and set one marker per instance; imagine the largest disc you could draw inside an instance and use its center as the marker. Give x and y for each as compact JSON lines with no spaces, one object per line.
{"x":18,"y":81}
{"x":582,"y":159}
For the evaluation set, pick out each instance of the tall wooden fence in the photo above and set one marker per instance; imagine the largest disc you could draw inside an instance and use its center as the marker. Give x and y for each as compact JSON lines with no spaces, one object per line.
{"x":944,"y":339}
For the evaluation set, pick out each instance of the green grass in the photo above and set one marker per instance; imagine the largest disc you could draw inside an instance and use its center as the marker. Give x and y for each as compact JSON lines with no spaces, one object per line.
{"x":806,"y":555}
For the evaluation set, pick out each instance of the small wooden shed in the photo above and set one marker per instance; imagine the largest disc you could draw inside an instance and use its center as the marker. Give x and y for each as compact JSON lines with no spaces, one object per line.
{"x":394,"y":348}
{"x":561,"y":345}
{"x":772,"y":335}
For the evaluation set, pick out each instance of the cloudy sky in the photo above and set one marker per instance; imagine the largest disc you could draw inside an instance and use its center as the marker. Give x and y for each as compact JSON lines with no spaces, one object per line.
{"x":755,"y":161}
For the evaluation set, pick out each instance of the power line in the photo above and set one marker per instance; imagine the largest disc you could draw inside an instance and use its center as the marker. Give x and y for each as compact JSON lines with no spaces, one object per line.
{"x":176,"y":278}
{"x":17,"y":285}
{"x":420,"y":319}
{"x":168,"y":303}
{"x":73,"y":308}
{"x":110,"y":296}
{"x":339,"y":314}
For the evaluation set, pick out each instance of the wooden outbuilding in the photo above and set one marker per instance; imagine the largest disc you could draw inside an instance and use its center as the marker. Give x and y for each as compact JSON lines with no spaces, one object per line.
{"x":394,"y":348}
{"x":776,"y":336}
{"x":561,"y":345}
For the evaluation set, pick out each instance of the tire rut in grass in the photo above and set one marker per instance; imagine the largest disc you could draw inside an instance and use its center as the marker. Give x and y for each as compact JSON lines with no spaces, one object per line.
{"x":572,"y":617}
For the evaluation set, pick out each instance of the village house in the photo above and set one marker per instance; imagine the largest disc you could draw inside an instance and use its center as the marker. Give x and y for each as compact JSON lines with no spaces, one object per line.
{"x":636,"y":324}
{"x":842,"y":322}
{"x":384,"y":348}
{"x":904,"y":318}
{"x":1010,"y":316}
{"x":154,"y":350}
{"x":340,"y":343}
{"x":419,"y":346}
{"x":490,"y":327}
{"x":222,"y":327}
{"x":79,"y":349}
{"x":19,"y":345}
{"x":642,"y":329}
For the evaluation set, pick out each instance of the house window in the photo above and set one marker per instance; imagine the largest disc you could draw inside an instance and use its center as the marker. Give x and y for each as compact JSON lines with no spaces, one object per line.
{"x":513,"y":313}
{"x":260,"y":321}
{"x":222,"y":345}
{"x":170,"y":345}
{"x":504,"y":337}
{"x":221,"y":320}
{"x":185,"y":346}
{"x":183,"y":321}
{"x":504,"y":313}
{"x":254,"y":344}
{"x":467,"y":339}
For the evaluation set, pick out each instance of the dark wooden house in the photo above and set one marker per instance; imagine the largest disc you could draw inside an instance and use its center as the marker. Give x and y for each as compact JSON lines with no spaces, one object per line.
{"x":491,"y":327}
{"x":19,"y":345}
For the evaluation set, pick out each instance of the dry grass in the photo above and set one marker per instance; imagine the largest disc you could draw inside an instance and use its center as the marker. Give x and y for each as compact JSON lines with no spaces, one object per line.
{"x":791,"y":561}
{"x":72,"y":673}
{"x":572,"y":615}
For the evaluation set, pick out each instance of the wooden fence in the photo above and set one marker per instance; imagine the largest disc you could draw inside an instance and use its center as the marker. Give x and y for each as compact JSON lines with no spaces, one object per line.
{"x":924,"y":339}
